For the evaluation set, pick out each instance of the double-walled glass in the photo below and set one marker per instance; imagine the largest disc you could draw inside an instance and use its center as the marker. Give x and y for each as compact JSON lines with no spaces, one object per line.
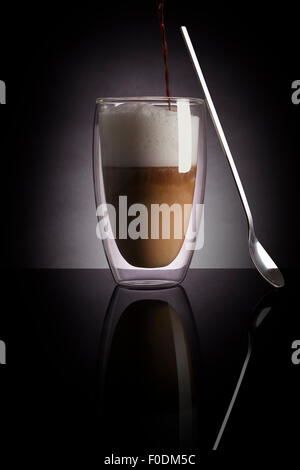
{"x":149,"y":178}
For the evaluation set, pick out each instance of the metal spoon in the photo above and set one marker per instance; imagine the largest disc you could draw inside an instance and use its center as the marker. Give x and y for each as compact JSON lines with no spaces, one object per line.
{"x":262,"y":261}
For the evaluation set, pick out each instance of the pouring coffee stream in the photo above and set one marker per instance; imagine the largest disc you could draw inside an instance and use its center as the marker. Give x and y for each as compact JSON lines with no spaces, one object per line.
{"x":160,"y":12}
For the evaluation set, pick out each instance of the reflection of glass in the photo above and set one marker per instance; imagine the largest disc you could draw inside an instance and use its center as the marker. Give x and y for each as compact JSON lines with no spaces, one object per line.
{"x":147,"y":377}
{"x":149,"y":179}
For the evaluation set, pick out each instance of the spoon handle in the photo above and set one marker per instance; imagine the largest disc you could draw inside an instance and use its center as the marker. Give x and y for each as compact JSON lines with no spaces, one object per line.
{"x":218,"y":126}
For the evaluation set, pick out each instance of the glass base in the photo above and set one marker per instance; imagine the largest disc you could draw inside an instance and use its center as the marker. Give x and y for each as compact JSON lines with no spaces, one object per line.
{"x":147,"y":284}
{"x":149,"y":278}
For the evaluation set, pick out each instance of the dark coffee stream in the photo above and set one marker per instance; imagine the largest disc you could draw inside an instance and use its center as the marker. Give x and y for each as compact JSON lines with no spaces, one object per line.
{"x":160,"y":11}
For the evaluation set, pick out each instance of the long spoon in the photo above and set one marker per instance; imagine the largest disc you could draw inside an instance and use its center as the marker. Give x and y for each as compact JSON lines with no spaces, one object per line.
{"x":262,"y":261}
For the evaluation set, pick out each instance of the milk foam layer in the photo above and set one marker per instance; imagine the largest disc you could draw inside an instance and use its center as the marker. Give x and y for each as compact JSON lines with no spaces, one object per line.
{"x":138,"y":134}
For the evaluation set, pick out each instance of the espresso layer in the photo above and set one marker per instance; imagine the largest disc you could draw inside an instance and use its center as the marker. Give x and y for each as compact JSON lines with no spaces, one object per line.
{"x":151,"y":186}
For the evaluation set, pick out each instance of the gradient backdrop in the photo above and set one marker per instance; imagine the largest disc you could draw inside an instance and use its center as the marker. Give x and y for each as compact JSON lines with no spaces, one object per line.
{"x":55,"y":64}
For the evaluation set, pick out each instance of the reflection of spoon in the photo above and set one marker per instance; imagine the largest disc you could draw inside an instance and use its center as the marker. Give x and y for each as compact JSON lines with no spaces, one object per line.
{"x":262,"y":261}
{"x":260,"y":311}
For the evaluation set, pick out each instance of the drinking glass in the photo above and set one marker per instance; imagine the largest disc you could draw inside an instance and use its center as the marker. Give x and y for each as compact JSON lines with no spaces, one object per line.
{"x":149,"y":165}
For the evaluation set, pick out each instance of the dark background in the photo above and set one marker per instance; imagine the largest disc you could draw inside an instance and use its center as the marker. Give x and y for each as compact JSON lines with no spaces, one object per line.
{"x":56,"y":62}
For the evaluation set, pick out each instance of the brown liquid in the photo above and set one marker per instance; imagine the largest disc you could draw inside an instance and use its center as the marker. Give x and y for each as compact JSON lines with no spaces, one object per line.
{"x":151,"y":185}
{"x":160,"y":11}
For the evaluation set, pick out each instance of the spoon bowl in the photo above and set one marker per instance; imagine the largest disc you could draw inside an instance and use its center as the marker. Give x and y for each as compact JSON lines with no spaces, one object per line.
{"x":263,"y":262}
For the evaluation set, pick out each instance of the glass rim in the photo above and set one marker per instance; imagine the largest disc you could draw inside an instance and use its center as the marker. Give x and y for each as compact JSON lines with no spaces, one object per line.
{"x":136,"y":99}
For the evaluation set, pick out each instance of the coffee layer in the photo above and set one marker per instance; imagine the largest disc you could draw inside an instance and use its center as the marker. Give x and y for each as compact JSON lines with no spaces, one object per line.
{"x":148,"y":186}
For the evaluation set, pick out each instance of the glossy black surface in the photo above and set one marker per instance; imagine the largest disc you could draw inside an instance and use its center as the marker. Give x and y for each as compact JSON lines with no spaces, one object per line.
{"x":116,"y":370}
